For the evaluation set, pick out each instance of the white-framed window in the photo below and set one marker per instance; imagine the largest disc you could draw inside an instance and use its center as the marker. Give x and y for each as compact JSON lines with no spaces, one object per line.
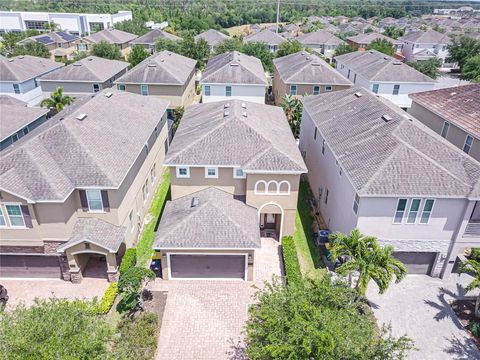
{"x":16,"y":88}
{"x":183,"y":172}
{"x":400,"y":211}
{"x":211,"y":172}
{"x":316,"y":90}
{"x":272,"y":187}
{"x":3,"y":223}
{"x":375,"y":88}
{"x":228,"y":91}
{"x":446,"y":126}
{"x":427,"y":211}
{"x":396,"y":89}
{"x":145,"y":191}
{"x":413,"y":212}
{"x":144,"y":90}
{"x":323,"y":147}
{"x":121,"y":87}
{"x":238,"y":173}
{"x":82,"y":47}
{"x":468,"y":143}
{"x":153,"y":173}
{"x":328,"y":88}
{"x":206,"y":90}
{"x":132,"y":222}
{"x":94,"y":199}
{"x":96,"y":88}
{"x":356,"y":203}
{"x":293,"y":89}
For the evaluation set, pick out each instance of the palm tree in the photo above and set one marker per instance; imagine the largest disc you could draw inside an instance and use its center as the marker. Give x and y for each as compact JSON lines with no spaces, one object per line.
{"x":57,"y":100}
{"x":292,"y":106}
{"x":472,"y":267}
{"x":367,"y":258}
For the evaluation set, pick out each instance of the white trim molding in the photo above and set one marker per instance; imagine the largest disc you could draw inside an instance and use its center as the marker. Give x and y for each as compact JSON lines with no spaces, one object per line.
{"x":277,"y":187}
{"x":208,"y":176}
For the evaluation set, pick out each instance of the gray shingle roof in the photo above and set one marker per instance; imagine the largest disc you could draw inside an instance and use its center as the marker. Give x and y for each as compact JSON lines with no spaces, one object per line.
{"x":69,"y":153}
{"x":112,"y":36}
{"x":95,"y":231}
{"x":151,"y":37}
{"x":305,"y":68}
{"x":367,"y":38}
{"x":400,"y":157}
{"x":15,"y":115}
{"x":320,"y":37}
{"x":266,"y":36}
{"x":260,"y":141}
{"x":25,"y":67}
{"x":426,"y":37}
{"x":234,"y":68}
{"x":218,"y":221}
{"x":57,"y":37}
{"x":164,"y":68}
{"x":375,"y":66}
{"x":89,"y":69}
{"x":212,"y":37}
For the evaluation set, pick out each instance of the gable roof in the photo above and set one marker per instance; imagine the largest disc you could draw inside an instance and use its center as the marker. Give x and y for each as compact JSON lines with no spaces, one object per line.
{"x":25,"y":67}
{"x":426,"y":37}
{"x":367,"y":38}
{"x":376,"y":66}
{"x":68,"y":153}
{"x":255,"y":137}
{"x":264,"y":36}
{"x":54,"y":37}
{"x":163,"y":68}
{"x":151,"y":37}
{"x":234,"y":68}
{"x":305,"y":68}
{"x":89,"y":69}
{"x":217,"y":221}
{"x":399,"y":157}
{"x":320,"y":37}
{"x":112,"y":36}
{"x":458,"y":105}
{"x":212,"y":37}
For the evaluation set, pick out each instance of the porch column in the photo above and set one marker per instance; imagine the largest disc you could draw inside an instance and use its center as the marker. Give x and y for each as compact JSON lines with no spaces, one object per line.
{"x":112,"y":268}
{"x":74,"y":268}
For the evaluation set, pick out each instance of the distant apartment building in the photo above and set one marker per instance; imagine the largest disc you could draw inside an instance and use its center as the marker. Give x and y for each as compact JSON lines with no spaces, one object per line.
{"x":454,"y":113}
{"x":373,"y":167}
{"x":425,"y":45}
{"x":75,"y":23}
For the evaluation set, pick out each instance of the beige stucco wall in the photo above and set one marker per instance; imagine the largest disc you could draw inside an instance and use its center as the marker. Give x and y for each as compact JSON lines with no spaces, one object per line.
{"x":78,"y":256}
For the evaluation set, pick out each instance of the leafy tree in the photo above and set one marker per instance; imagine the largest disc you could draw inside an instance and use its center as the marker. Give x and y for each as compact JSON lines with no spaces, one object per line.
{"x":289,"y":47}
{"x":57,"y":101}
{"x":135,"y":26}
{"x":76,"y":56}
{"x":228,"y":45}
{"x":368,"y":259}
{"x":107,"y":51}
{"x":462,"y":49}
{"x":51,"y":26}
{"x":197,"y":50}
{"x":438,"y":28}
{"x":368,"y":30}
{"x":130,"y":285}
{"x":471,"y":69}
{"x":472,"y":267}
{"x":393,"y":31}
{"x":33,"y":48}
{"x":167,"y":44}
{"x":428,"y":67}
{"x":319,"y":320}
{"x":177,"y":117}
{"x":260,"y":51}
{"x":292,"y":106}
{"x":137,"y":55}
{"x":382,"y":45}
{"x":344,"y":49}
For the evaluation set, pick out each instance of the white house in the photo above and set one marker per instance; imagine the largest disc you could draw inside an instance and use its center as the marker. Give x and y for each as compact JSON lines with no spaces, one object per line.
{"x":373,"y":167}
{"x":234,"y":75}
{"x":424,"y":45}
{"x":383,"y":75}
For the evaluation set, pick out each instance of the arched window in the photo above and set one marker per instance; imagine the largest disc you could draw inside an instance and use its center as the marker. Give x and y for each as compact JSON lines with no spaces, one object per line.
{"x":272,"y":187}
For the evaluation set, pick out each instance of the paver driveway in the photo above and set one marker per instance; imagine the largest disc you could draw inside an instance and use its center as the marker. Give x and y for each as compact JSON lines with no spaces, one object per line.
{"x":204,"y":319}
{"x":419,"y":307}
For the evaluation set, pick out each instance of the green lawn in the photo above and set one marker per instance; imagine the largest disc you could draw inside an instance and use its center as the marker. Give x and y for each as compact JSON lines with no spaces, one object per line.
{"x":309,"y":257}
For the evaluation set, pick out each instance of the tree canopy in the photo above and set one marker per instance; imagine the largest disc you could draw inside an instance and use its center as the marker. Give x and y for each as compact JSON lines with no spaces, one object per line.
{"x":288,"y":47}
{"x":344,"y":49}
{"x":428,"y":67}
{"x":382,"y":45}
{"x":462,"y":49}
{"x":57,"y":101}
{"x":260,"y":51}
{"x":471,"y":69}
{"x":393,"y":31}
{"x":105,"y":50}
{"x":32,"y":48}
{"x":137,"y":55}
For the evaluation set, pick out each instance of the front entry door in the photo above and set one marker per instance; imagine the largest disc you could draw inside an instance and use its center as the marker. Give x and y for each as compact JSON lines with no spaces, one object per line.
{"x":270,"y":221}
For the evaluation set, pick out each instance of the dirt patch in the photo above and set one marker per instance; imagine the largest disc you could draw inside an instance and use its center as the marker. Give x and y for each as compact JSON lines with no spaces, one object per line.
{"x":155,"y":301}
{"x":465,"y":311}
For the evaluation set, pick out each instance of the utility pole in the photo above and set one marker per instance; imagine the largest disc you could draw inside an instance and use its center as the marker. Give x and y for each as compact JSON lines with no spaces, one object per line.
{"x":278,"y":14}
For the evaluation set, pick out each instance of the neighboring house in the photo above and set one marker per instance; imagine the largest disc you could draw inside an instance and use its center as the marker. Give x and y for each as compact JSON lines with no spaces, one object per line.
{"x":373,"y":167}
{"x":149,"y":40}
{"x":167,"y":75}
{"x":18,"y":77}
{"x":17,"y":120}
{"x":234,"y":75}
{"x":212,"y":37}
{"x":425,"y":45}
{"x":383,"y":75}
{"x":75,"y":192}
{"x":121,"y":39}
{"x":74,"y":23}
{"x":235,"y":172}
{"x":86,"y":76}
{"x":322,"y":42}
{"x":272,"y":39}
{"x":454,"y":113}
{"x":60,"y":43}
{"x":303,"y":73}
{"x":361,"y":41}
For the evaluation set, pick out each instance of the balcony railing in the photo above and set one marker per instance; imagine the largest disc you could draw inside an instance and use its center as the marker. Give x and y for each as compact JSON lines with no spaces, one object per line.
{"x":472,"y":229}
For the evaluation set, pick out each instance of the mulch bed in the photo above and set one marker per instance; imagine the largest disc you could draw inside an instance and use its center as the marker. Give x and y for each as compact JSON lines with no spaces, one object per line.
{"x":465,"y":309}
{"x":155,"y":301}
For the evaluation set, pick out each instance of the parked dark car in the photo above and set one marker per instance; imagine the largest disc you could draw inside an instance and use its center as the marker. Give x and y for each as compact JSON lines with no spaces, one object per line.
{"x":3,"y":295}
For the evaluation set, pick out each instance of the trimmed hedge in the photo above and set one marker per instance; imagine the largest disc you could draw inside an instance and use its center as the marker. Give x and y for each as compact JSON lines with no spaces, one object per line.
{"x":290,"y":260}
{"x":128,"y":261}
{"x":134,"y":278}
{"x":108,"y":299}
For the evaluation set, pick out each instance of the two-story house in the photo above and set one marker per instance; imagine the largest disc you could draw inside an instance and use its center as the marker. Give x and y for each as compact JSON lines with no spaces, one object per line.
{"x":361,"y":41}
{"x":60,"y":43}
{"x":383,"y":75}
{"x":371,"y":166}
{"x":454,"y":113}
{"x":75,"y":190}
{"x":304,"y":73}
{"x":165,"y":74}
{"x":119,"y":38}
{"x":266,"y":36}
{"x":322,"y":42}
{"x":149,"y":40}
{"x":235,"y":171}
{"x":233,"y":75}
{"x":424,"y":45}
{"x":18,"y":77}
{"x":86,"y":76}
{"x":212,"y":37}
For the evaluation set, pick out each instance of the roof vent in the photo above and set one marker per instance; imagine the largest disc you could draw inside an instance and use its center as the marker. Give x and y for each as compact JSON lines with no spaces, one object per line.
{"x":371,"y":51}
{"x":233,"y":64}
{"x":108,"y":94}
{"x":21,"y":57}
{"x":244,"y":114}
{"x":397,"y":63}
{"x":386,"y":58}
{"x":226,"y":105}
{"x":244,"y":106}
{"x":169,"y":53}
{"x":162,"y":60}
{"x":11,"y":60}
{"x":358,"y":94}
{"x":81,"y":117}
{"x":387,"y":118}
{"x":194,"y":202}
{"x":302,"y":53}
{"x":90,"y":59}
{"x":308,"y":58}
{"x":153,"y":65}
{"x":226,"y":113}
{"x":315,"y":63}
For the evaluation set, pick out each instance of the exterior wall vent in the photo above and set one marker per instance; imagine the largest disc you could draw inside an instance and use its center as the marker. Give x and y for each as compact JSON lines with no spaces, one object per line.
{"x":358,"y":94}
{"x":387,"y":118}
{"x":81,"y":117}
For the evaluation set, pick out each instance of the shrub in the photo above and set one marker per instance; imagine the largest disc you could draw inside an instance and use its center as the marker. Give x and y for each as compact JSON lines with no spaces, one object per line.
{"x":134,"y":277}
{"x":290,"y":259}
{"x":129,"y":260}
{"x":474,"y":327}
{"x":475,"y":255}
{"x":108,"y":299}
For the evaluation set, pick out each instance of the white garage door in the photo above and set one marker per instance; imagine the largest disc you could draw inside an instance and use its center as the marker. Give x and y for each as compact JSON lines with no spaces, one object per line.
{"x":29,"y":266}
{"x":207,"y":266}
{"x":417,"y":262}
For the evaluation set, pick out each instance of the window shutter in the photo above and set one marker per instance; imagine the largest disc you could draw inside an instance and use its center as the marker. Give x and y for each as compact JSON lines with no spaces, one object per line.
{"x":26,"y":216}
{"x":83,"y":199}
{"x":106,"y":204}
